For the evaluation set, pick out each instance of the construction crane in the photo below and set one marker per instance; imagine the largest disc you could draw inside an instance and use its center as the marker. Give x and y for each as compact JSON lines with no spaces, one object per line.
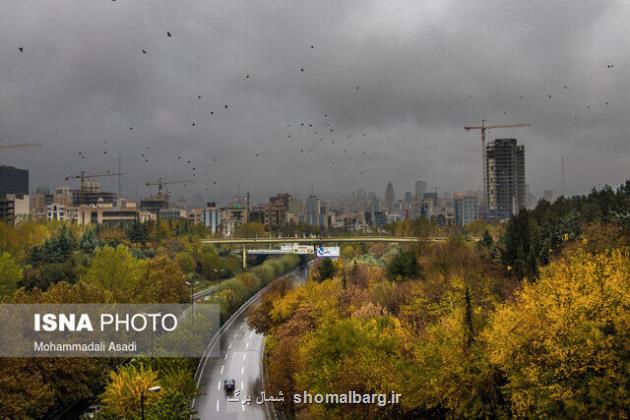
{"x":161,"y":183}
{"x":19,"y":146}
{"x":84,"y":177}
{"x":482,"y":128}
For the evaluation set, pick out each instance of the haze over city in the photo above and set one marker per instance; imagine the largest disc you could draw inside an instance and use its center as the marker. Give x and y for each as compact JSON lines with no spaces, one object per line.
{"x":307,"y":95}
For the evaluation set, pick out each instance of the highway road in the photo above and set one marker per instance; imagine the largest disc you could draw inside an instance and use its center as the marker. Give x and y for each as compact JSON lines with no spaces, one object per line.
{"x":241,"y":350}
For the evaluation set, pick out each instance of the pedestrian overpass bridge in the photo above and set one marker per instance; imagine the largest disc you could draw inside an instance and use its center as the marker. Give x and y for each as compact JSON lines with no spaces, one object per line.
{"x":245,"y":242}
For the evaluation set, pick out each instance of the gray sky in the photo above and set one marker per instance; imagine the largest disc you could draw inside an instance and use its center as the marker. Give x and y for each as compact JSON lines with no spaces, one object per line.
{"x":423,"y":69}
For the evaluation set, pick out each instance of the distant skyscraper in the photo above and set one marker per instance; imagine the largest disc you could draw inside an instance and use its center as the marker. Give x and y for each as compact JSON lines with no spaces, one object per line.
{"x":408,"y":198}
{"x":420,"y":189}
{"x":505,"y":184}
{"x":313,"y":210}
{"x":390,"y":197}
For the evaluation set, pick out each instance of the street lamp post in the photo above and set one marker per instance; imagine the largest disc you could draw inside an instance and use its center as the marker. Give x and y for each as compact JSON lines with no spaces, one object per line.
{"x":152,"y":389}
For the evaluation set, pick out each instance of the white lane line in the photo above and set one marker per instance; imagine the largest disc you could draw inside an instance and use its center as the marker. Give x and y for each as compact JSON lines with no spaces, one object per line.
{"x":250,"y":334}
{"x":235,"y":334}
{"x":217,"y":405}
{"x":219,"y":386}
{"x":230,"y":346}
{"x":243,"y":407}
{"x":244,"y":356}
{"x":226,"y":354}
{"x":242,"y":370}
{"x":247,"y":345}
{"x":222,"y":367}
{"x":241,"y":327}
{"x":242,"y":387}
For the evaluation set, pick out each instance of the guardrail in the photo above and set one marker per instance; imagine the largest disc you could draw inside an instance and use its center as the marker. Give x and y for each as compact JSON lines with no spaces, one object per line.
{"x":319,"y":240}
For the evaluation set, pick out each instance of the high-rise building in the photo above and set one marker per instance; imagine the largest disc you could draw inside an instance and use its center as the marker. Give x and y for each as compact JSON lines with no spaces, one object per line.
{"x":13,"y":181}
{"x":420,"y":189}
{"x":466,"y":208}
{"x":313,"y":210}
{"x":210,"y":217}
{"x":390,"y":197}
{"x":505,"y":182}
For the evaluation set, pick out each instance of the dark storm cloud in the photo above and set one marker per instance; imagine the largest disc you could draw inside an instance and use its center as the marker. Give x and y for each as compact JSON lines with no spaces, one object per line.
{"x":409,"y":75}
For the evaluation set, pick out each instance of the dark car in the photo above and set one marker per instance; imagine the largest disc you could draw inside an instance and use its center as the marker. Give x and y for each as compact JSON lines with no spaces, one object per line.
{"x":229,"y":385}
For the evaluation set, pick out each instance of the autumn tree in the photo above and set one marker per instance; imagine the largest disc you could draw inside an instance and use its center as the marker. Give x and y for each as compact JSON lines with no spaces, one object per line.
{"x":122,"y":395}
{"x":563,"y":344}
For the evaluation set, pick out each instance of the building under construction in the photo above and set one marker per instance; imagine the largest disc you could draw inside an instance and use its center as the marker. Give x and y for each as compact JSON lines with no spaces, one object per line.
{"x":505,"y":178}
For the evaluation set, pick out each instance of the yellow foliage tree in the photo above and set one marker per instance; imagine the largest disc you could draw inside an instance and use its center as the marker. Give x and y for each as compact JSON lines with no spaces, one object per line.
{"x":122,"y":395}
{"x":563,"y":344}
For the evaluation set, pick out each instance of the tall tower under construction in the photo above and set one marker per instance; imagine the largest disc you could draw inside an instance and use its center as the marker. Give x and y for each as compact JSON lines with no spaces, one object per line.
{"x":505,"y":182}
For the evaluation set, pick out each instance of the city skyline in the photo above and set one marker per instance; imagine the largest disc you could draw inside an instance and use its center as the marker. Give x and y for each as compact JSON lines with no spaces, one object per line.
{"x":397,"y":83}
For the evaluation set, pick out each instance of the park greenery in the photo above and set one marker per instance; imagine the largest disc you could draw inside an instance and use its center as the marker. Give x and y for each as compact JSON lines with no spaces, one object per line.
{"x":533,"y":320}
{"x":134,"y":263}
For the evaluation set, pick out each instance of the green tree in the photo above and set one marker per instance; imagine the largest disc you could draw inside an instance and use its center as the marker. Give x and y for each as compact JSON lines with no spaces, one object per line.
{"x":403,"y":265}
{"x":10,"y":274}
{"x":116,"y":271}
{"x":326,"y":269}
{"x":172,"y":406}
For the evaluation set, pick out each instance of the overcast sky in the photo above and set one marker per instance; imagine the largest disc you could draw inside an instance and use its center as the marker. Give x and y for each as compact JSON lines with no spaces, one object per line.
{"x":397,"y":81}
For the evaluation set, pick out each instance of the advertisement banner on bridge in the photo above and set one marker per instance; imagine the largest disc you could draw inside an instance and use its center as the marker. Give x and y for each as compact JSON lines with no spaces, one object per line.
{"x":327,"y":252}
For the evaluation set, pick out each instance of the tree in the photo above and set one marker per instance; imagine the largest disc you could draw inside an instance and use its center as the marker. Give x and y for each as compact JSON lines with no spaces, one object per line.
{"x":122,"y":395}
{"x":403,"y":265}
{"x":326,"y":269}
{"x":10,"y":274}
{"x":88,"y":242}
{"x":172,"y":406}
{"x":250,"y":230}
{"x":563,"y":343}
{"x":137,"y":232}
{"x":116,"y":271}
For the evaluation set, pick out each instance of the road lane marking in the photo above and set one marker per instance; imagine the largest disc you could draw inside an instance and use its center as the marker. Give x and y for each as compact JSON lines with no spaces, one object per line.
{"x":242,"y":387}
{"x":222,"y":367}
{"x":226,"y":354}
{"x":241,"y":327}
{"x":244,"y":356}
{"x":217,"y":405}
{"x":250,"y":334}
{"x":243,"y":406}
{"x":247,"y":345}
{"x":230,"y":346}
{"x":242,"y":370}
{"x":219,"y":386}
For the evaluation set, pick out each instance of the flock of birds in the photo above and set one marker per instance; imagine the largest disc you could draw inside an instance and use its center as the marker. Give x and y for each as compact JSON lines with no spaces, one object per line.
{"x":316,"y":140}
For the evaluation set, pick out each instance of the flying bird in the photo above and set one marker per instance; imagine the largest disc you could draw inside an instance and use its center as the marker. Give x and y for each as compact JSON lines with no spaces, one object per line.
{"x":169,"y":34}
{"x":302,"y":70}
{"x":226,"y":107}
{"x":610,"y":66}
{"x":144,"y":51}
{"x":21,"y":49}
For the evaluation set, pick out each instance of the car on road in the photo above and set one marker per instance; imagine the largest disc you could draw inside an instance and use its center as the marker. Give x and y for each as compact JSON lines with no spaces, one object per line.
{"x":229,"y":385}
